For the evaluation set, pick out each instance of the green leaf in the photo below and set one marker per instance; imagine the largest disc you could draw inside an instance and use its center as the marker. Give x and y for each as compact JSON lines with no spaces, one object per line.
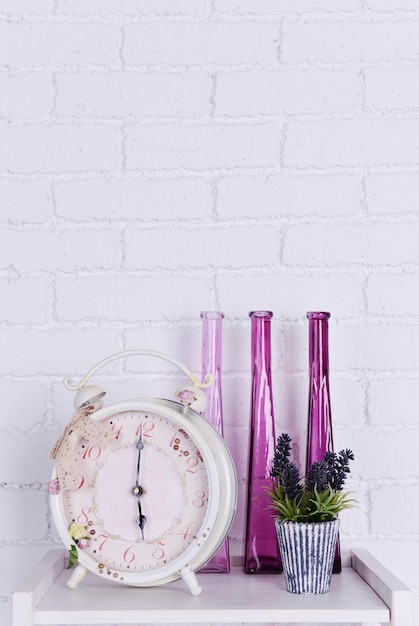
{"x":72,"y":556}
{"x":309,"y":506}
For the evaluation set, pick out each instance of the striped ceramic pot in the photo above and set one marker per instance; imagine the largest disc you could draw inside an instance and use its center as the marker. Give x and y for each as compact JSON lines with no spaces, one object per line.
{"x":307,"y":553}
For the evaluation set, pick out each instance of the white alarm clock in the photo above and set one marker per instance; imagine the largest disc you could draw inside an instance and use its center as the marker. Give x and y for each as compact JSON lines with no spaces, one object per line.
{"x":143,"y":491}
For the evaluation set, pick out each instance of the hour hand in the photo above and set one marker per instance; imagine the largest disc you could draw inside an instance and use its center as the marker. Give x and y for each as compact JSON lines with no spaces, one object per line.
{"x":141,"y":520}
{"x":137,"y":491}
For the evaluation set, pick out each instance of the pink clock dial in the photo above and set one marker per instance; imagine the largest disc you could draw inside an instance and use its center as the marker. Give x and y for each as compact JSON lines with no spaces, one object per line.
{"x":174,"y":492}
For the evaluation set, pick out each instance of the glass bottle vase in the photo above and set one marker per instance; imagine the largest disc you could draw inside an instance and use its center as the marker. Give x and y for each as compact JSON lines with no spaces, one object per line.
{"x":211,"y":356}
{"x":319,"y":428}
{"x":261,"y":544}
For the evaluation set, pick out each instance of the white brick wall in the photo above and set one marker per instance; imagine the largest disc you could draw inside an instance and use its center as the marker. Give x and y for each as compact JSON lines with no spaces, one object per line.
{"x":277,"y":92}
{"x":363,"y":40}
{"x":50,"y":43}
{"x":116,"y":94}
{"x":373,"y":243}
{"x":65,"y":147}
{"x":158,"y":199}
{"x":200,"y":44}
{"x":351,"y":142}
{"x":174,"y":146}
{"x":160,"y":158}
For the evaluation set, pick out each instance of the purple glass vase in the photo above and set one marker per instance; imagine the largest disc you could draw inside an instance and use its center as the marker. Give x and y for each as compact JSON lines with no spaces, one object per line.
{"x":211,"y":363}
{"x":261,"y":547}
{"x":319,"y":429}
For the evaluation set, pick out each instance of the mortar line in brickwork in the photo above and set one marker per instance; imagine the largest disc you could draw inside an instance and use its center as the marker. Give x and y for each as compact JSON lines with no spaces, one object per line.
{"x":280,"y":43}
{"x":214,"y":200}
{"x":363,"y":192}
{"x":282,"y":143}
{"x":251,"y":172}
{"x":364,"y":294}
{"x":122,"y":148}
{"x":213,"y":94}
{"x":219,"y":68}
{"x":226,"y":68}
{"x":212,"y":16}
{"x":209,"y":120}
{"x":122,"y":36}
{"x":233,"y":120}
{"x":54,"y":88}
{"x":362,"y":90}
{"x":277,"y":269}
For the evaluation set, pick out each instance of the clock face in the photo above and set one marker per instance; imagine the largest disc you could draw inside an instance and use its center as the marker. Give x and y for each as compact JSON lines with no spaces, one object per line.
{"x":174,"y":483}
{"x":160,"y":496}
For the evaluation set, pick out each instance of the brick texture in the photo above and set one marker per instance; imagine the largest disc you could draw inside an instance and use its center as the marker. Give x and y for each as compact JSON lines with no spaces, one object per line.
{"x":351,"y":41}
{"x":199,"y":43}
{"x":171,"y":248}
{"x":113,"y":94}
{"x":161,"y":158}
{"x":67,"y":251}
{"x":299,"y":91}
{"x":58,"y":148}
{"x":133,"y":199}
{"x":356,"y":142}
{"x":379,"y":244}
{"x":393,"y":193}
{"x":173,"y":147}
{"x":57,"y":43}
{"x":300,"y":197}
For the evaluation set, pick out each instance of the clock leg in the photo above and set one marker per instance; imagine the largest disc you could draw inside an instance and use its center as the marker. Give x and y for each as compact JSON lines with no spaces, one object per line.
{"x":77,"y":576}
{"x":190,"y":579}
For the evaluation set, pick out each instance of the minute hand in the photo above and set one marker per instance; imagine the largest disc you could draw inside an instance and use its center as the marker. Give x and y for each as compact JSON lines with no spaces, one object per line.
{"x":137,"y":489}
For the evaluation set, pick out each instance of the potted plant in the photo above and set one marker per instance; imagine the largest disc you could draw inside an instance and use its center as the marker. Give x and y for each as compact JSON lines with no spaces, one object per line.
{"x":307,"y":511}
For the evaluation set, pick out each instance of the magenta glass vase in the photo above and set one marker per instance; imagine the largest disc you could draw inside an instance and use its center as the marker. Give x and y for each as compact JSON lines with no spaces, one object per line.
{"x":212,"y":363}
{"x":261,"y":546}
{"x":319,"y":429}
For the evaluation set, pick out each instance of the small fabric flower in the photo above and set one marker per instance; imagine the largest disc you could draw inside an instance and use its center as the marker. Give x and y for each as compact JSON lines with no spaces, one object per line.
{"x":186,"y":397}
{"x":54,"y":487}
{"x":83,"y":543}
{"x":77,"y":531}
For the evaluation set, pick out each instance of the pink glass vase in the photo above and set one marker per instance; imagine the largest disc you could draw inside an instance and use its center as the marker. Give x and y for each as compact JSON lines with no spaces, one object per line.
{"x":211,"y":363}
{"x":261,"y":547}
{"x":319,"y":435}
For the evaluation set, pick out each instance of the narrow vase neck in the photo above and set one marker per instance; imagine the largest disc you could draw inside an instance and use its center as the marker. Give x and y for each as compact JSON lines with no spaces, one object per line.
{"x":261,"y":340}
{"x":211,"y":363}
{"x":320,"y":437}
{"x":318,"y":344}
{"x":211,"y":341}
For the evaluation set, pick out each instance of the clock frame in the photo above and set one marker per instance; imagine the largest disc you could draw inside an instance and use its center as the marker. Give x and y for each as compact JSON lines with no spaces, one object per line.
{"x":186,"y":494}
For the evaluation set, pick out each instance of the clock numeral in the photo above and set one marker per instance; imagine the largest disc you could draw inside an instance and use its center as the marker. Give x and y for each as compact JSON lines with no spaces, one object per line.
{"x":146,"y":428}
{"x":158,"y":553}
{"x":200,"y":499}
{"x":118,"y":432}
{"x":92,"y":453}
{"x":83,"y":517}
{"x":81,"y":484}
{"x":105,"y":539}
{"x":186,"y":531}
{"x":129,"y":555}
{"x":174,"y":441}
{"x":192,"y":463}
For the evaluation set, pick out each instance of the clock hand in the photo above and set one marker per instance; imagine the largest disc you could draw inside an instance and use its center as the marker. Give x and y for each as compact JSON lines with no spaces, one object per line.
{"x":141,"y":518}
{"x":137,"y":490}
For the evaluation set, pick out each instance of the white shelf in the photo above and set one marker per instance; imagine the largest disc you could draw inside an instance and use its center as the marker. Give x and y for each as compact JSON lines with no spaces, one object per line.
{"x":364,"y":592}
